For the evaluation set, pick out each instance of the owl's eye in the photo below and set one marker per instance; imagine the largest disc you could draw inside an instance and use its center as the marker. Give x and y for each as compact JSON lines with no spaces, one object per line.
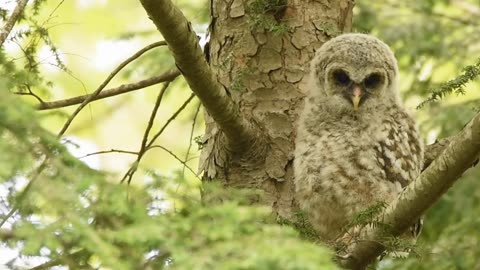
{"x":372,"y":81}
{"x":341,"y":77}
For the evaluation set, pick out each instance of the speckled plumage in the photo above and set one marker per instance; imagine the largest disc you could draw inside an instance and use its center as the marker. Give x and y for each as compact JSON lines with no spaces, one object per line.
{"x":348,"y":159}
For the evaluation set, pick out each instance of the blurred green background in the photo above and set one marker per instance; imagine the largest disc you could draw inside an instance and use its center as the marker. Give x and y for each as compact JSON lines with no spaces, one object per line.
{"x":434,"y":40}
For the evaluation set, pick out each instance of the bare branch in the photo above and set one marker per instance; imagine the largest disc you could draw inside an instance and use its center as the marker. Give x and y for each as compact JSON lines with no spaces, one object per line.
{"x":444,"y":171}
{"x":190,"y":60}
{"x":29,"y":93}
{"x":190,"y":140}
{"x":16,"y":14}
{"x":109,"y":152}
{"x":184,"y":163}
{"x":147,"y":146}
{"x":106,"y":81}
{"x":122,"y":89}
{"x":143,"y":146}
{"x":179,"y":110}
{"x":152,"y":117}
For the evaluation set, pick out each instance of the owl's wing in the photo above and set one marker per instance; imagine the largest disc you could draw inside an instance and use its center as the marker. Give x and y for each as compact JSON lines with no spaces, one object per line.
{"x":399,"y":153}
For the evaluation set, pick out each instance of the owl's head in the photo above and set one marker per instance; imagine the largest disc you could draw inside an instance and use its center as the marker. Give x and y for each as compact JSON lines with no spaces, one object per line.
{"x":355,"y":73}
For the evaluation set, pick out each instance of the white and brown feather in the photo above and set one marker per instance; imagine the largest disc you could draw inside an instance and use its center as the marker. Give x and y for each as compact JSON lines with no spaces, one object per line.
{"x":346,"y":160}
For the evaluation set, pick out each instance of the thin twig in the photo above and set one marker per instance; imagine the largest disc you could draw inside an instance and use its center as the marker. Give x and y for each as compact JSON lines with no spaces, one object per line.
{"x":129,"y":174}
{"x":122,"y":89}
{"x":109,"y":151}
{"x":175,"y":156}
{"x":16,"y":14}
{"x":107,"y":80}
{"x":189,"y":143}
{"x":29,"y":93}
{"x":143,"y":146}
{"x":152,"y":117}
{"x":180,"y":109}
{"x":191,"y":135}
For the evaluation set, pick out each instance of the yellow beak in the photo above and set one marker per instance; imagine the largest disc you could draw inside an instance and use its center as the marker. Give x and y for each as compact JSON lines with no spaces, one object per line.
{"x":356,"y":96}
{"x":356,"y":101}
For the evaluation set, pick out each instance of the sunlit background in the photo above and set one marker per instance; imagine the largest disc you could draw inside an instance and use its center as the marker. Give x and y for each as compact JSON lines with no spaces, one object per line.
{"x":433,"y":41}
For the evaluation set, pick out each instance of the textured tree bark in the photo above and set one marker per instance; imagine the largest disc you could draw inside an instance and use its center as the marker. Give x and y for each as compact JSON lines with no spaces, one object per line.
{"x":266,"y":76}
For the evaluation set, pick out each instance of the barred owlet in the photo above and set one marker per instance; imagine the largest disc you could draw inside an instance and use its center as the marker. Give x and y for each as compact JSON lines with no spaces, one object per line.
{"x":356,"y":146}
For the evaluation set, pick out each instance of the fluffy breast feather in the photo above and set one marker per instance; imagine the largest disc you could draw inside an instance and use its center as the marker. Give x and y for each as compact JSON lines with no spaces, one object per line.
{"x":343,"y":166}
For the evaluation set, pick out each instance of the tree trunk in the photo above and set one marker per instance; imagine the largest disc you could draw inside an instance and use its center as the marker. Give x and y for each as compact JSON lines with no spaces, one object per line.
{"x":265,"y":71}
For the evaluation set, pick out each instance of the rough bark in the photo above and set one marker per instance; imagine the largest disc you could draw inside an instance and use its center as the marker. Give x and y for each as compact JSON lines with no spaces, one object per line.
{"x":432,"y":151}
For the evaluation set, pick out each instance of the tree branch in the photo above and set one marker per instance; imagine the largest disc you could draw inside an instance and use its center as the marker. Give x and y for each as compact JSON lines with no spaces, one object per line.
{"x":184,"y":163}
{"x":106,"y":81}
{"x":434,"y":150}
{"x":16,"y":14}
{"x":146,"y":146}
{"x":190,"y":60}
{"x":109,"y":152}
{"x":122,"y":89}
{"x":143,"y":146}
{"x":406,"y":209}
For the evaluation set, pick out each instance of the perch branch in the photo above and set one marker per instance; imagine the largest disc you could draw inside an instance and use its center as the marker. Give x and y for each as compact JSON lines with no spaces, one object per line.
{"x":434,"y":150}
{"x":460,"y":154}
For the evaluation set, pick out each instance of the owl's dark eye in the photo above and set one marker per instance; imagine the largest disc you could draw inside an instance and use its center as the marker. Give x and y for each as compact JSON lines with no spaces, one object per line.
{"x":372,"y":81}
{"x":341,"y":77}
